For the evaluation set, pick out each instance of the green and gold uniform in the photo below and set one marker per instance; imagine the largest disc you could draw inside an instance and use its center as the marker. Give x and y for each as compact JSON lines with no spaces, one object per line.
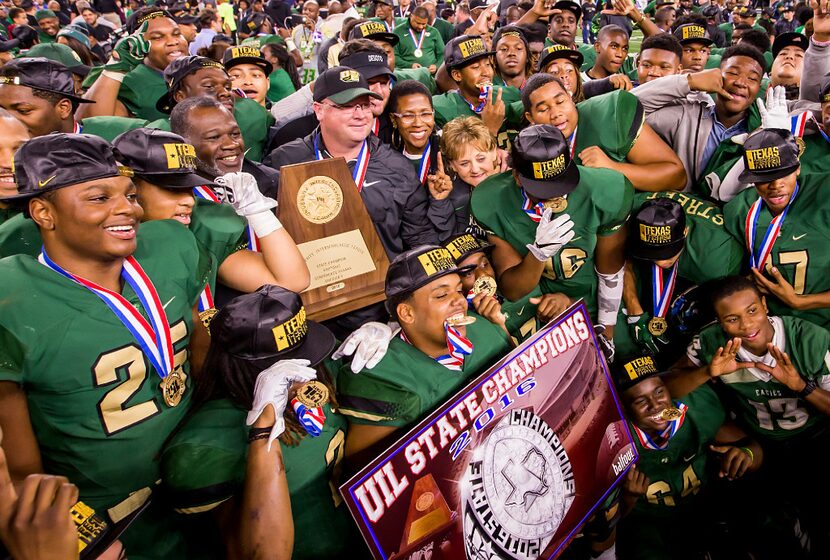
{"x":612,"y":121}
{"x":407,"y":384}
{"x":419,"y":75}
{"x":7,"y":214}
{"x":451,"y":105}
{"x":140,"y":91}
{"x":599,"y":206}
{"x":522,"y":322}
{"x":801,"y":252}
{"x":763,"y":405}
{"x":253,"y":120}
{"x":94,"y":399}
{"x":667,"y":516}
{"x":816,"y":156}
{"x":432,"y":47}
{"x":204,"y":464}
{"x":280,"y":85}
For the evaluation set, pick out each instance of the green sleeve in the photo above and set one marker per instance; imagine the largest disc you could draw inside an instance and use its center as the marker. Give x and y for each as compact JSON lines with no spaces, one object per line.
{"x":140,"y":91}
{"x":367,"y":399}
{"x":254,"y":121}
{"x":419,"y":75}
{"x":614,"y":204}
{"x":595,"y":115}
{"x":707,"y":409}
{"x":20,"y":236}
{"x":704,"y":345}
{"x":11,"y":355}
{"x":109,"y":128}
{"x":281,"y":85}
{"x":812,"y":343}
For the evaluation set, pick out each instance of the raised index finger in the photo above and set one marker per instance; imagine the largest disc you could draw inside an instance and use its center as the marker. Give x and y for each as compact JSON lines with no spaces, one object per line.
{"x":440,"y":163}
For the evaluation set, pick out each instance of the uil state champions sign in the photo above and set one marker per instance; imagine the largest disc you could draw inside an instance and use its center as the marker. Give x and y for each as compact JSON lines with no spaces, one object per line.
{"x":511,"y":466}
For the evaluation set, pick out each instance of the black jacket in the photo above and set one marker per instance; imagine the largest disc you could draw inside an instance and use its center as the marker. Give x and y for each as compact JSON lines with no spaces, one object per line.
{"x":303,"y":126}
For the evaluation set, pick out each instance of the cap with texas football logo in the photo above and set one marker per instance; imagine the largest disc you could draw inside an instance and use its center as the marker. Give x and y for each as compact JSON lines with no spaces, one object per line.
{"x":465,"y":50}
{"x":246,"y":54}
{"x":693,"y":33}
{"x":769,"y":154}
{"x":658,"y":230}
{"x":556,"y":51}
{"x":417,"y":268}
{"x":542,"y":158}
{"x":374,"y":30}
{"x":177,"y":71}
{"x":630,"y":371}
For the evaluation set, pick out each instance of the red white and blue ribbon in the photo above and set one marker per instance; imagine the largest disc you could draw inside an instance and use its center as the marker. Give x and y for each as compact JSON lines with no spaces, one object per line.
{"x":312,"y":419}
{"x":483,"y":93}
{"x":420,"y":40}
{"x":154,"y":335}
{"x":77,"y":128}
{"x":360,"y":166}
{"x":458,"y":346}
{"x":661,"y":292}
{"x":389,"y":27}
{"x":798,"y":123}
{"x":207,"y":193}
{"x":206,"y":299}
{"x":662,"y":440}
{"x":533,"y":211}
{"x":423,"y":166}
{"x":376,"y":126}
{"x":759,"y":259}
{"x":572,"y":141}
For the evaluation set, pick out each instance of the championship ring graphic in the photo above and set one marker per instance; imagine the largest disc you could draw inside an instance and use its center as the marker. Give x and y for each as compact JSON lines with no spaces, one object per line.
{"x":518,"y":489}
{"x":319,"y":199}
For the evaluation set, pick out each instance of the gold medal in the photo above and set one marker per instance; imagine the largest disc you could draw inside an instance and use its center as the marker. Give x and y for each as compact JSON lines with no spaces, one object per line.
{"x":485,"y":285}
{"x":172,"y":388}
{"x":313,"y":394}
{"x":207,"y":316}
{"x":461,"y":320}
{"x":799,"y":141}
{"x":558,"y":204}
{"x":670,"y":414}
{"x":657,"y":326}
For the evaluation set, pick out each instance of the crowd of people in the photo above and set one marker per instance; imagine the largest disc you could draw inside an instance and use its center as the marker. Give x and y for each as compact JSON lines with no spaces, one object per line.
{"x":160,"y":377}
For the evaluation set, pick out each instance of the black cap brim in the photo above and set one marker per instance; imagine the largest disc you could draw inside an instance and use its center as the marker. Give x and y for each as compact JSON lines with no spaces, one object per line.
{"x":177,"y":181}
{"x":417,"y":286}
{"x":390,"y":38}
{"x":648,"y":252}
{"x":704,"y":40}
{"x":370,"y":72}
{"x":73,"y":97}
{"x":81,"y":70}
{"x":266,"y":66}
{"x":187,"y":20}
{"x":572,"y":7}
{"x":318,"y":344}
{"x":470,"y":60}
{"x":748,"y":176}
{"x":552,"y":188}
{"x":574,"y":56}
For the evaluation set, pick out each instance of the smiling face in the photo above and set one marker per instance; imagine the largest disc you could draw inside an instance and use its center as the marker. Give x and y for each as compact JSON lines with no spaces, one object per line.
{"x":511,"y":56}
{"x":166,"y":42}
{"x":474,"y":165}
{"x":213,"y":82}
{"x":776,"y":194}
{"x":786,"y":68}
{"x":217,"y":138}
{"x":50,"y":26}
{"x":91,"y":221}
{"x":471,"y":77}
{"x":644,"y":401}
{"x":550,"y":104}
{"x":742,"y":80}
{"x":159,"y":203}
{"x":415,"y":121}
{"x":424,"y":315}
{"x":12,"y":135}
{"x":743,"y":314}
{"x":251,"y":79}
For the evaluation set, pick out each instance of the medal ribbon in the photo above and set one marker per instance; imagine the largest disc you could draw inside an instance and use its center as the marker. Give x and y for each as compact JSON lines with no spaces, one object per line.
{"x":207,"y":193}
{"x":389,"y":27}
{"x":533,"y":211}
{"x":154,"y":335}
{"x":773,"y":230}
{"x":420,"y":40}
{"x":458,"y":346}
{"x":662,"y":440}
{"x":484,"y":91}
{"x":206,"y":299}
{"x":798,"y":123}
{"x":423,"y":167}
{"x":376,"y":126}
{"x":77,"y":128}
{"x":660,"y":293}
{"x":360,"y":166}
{"x":312,"y":419}
{"x":572,"y":141}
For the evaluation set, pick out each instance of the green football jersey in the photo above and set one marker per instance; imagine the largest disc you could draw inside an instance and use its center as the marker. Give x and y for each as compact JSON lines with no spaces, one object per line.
{"x":763,"y":405}
{"x":678,"y":472}
{"x":451,"y":105}
{"x":612,"y":121}
{"x":599,"y":206}
{"x":280,"y":85}
{"x":109,"y":127}
{"x":220,"y":230}
{"x":140,"y":91}
{"x":7,"y":214}
{"x":407,"y":384}
{"x":19,"y":236}
{"x":816,"y":156}
{"x":204,"y":464}
{"x":710,"y":251}
{"x":419,"y":75}
{"x":432,"y":47}
{"x":801,"y":252}
{"x":522,"y":322}
{"x":445,"y":28}
{"x":94,"y":398}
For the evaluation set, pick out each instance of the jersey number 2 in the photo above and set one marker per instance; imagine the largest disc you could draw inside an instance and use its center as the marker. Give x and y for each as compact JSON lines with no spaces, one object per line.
{"x":115,"y":413}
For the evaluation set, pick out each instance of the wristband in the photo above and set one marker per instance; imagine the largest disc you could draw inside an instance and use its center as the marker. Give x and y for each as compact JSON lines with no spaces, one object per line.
{"x":819,"y":43}
{"x":263,"y":223}
{"x":291,"y":45}
{"x":809,"y":387}
{"x":749,"y":452}
{"x":117,"y":76}
{"x":609,"y":296}
{"x":259,"y":433}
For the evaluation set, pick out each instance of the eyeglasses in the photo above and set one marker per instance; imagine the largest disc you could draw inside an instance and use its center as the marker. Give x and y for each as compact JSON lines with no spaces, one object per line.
{"x":365,"y":107}
{"x":410,"y":118}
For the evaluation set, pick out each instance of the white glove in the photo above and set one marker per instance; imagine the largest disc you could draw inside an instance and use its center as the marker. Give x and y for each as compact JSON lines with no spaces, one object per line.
{"x":775,"y":114}
{"x":272,"y":387}
{"x":240,"y":190}
{"x":368,"y":344}
{"x":551,"y":235}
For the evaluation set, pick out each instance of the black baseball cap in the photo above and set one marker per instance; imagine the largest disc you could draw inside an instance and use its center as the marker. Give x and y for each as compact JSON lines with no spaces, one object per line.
{"x":369,"y":64}
{"x":387,"y":2}
{"x":628,"y":372}
{"x":465,"y":49}
{"x":139,"y":17}
{"x":43,"y":74}
{"x":693,"y":33}
{"x":418,"y":267}
{"x":341,"y":85}
{"x":710,"y":11}
{"x":553,"y":52}
{"x":659,"y":230}
{"x":746,"y":11}
{"x":159,"y":157}
{"x":270,"y":324}
{"x":510,"y":31}
{"x":769,"y":154}
{"x":569,"y":5}
{"x":181,"y":14}
{"x":788,"y":7}
{"x":475,"y":4}
{"x":246,"y":54}
{"x":47,"y":163}
{"x":463,"y":245}
{"x":374,"y":30}
{"x":789,"y":39}
{"x":177,"y":71}
{"x":542,"y":158}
